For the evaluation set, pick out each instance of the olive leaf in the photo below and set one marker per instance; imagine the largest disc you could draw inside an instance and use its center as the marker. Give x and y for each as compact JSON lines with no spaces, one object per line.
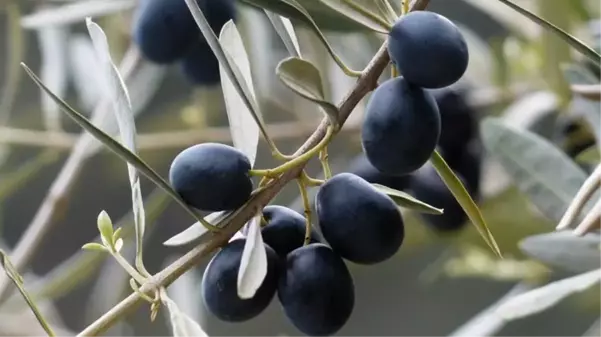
{"x":540,"y":170}
{"x":181,"y":324}
{"x":105,"y":227}
{"x":285,"y":30}
{"x":253,"y":265}
{"x":367,"y":13}
{"x":407,"y":201}
{"x":571,"y":40}
{"x":116,"y":90}
{"x":303,"y":78}
{"x":117,"y":148}
{"x":545,"y":297}
{"x":315,"y":13}
{"x":243,"y":128}
{"x":228,"y":66}
{"x":196,"y":231}
{"x":292,"y":6}
{"x":564,"y":250}
{"x":17,"y":280}
{"x":464,"y":199}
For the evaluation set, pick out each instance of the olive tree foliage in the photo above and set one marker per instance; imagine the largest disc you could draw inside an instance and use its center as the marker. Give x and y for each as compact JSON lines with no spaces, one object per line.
{"x":322,"y":73}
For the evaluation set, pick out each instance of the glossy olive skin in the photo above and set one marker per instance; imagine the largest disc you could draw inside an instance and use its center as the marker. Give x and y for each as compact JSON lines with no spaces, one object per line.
{"x":285,"y":230}
{"x":219,"y":284}
{"x":360,"y":223}
{"x":428,"y":49}
{"x":316,"y":290}
{"x":401,"y":127}
{"x":212,"y":177}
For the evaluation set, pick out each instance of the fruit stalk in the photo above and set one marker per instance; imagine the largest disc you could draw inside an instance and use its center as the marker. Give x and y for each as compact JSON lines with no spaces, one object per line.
{"x":365,"y":83}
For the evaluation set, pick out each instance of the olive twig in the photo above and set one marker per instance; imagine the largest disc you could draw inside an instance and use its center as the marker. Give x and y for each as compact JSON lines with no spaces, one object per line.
{"x":405,"y":6}
{"x":311,"y":181}
{"x":323,"y":158}
{"x":297,"y":160}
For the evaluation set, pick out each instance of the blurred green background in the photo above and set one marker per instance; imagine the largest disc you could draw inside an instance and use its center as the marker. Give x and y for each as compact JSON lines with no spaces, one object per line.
{"x":411,"y":294}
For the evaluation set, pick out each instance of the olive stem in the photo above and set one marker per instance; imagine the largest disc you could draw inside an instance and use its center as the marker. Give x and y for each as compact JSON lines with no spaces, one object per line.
{"x":128,"y":268}
{"x":272,"y":173}
{"x":307,"y":206}
{"x":405,"y":6}
{"x":325,"y":164}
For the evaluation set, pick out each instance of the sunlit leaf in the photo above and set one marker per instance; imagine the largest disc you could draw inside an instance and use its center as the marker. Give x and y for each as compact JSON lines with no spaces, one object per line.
{"x":243,"y":128}
{"x":285,"y":30}
{"x":304,"y":78}
{"x":52,"y":42}
{"x":181,"y":324}
{"x":195,"y":232}
{"x":94,"y":246}
{"x":228,"y":66}
{"x":540,"y":170}
{"x":292,"y":8}
{"x":253,"y":265}
{"x":571,"y":40}
{"x":315,"y":13}
{"x":75,"y":11}
{"x":105,"y":227}
{"x":116,"y":90}
{"x":365,"y":13}
{"x":564,"y":250}
{"x":405,"y":200}
{"x":545,"y":297}
{"x":465,"y":200}
{"x":117,"y":148}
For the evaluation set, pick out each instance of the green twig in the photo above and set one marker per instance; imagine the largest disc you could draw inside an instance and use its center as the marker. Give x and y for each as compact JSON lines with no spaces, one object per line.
{"x":18,"y":282}
{"x":307,"y":206}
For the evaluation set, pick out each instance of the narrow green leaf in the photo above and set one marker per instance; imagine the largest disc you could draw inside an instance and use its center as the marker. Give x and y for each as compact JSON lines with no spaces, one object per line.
{"x":363,"y":12}
{"x":94,"y":246}
{"x":564,"y":250}
{"x":181,"y":324}
{"x":464,"y":199}
{"x":105,"y":227}
{"x":407,"y":201}
{"x":571,"y":40}
{"x":304,"y":78}
{"x":228,"y":65}
{"x":13,"y":274}
{"x":117,"y":234}
{"x":292,"y":6}
{"x":117,"y":148}
{"x":322,"y":16}
{"x":243,"y":127}
{"x":284,"y":29}
{"x":545,"y":297}
{"x":117,"y":91}
{"x":196,"y":231}
{"x":253,"y":264}
{"x":539,"y":169}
